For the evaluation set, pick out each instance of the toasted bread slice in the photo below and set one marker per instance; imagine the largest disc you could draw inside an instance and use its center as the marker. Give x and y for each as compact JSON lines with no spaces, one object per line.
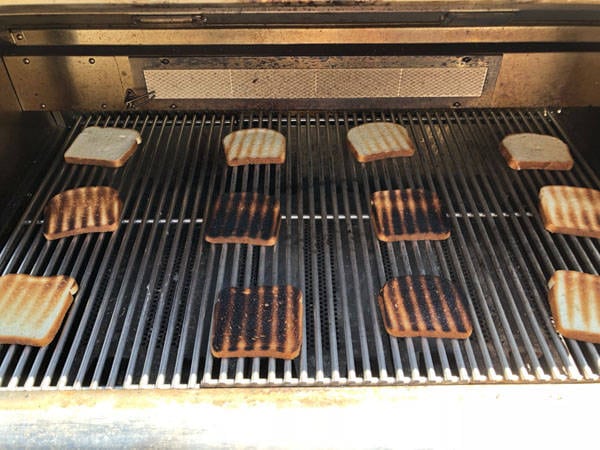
{"x":379,"y":140}
{"x":33,"y":308}
{"x":91,"y":209}
{"x":574,"y":299}
{"x":425,"y":306}
{"x":536,"y":151}
{"x":254,"y":146}
{"x":571,"y":210}
{"x":265,"y":321}
{"x":244,"y":218}
{"x":108,"y":147}
{"x":408,"y":214}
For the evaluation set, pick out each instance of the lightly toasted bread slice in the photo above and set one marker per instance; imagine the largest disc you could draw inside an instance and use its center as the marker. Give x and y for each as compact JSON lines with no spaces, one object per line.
{"x":379,"y":140}
{"x":264,"y":321}
{"x":574,"y":299}
{"x":244,"y":218}
{"x":91,"y":209}
{"x":408,"y":214}
{"x":536,"y":151}
{"x":424,"y":306}
{"x":32,"y":308}
{"x":107,"y":147}
{"x":571,"y":210}
{"x":254,"y":146}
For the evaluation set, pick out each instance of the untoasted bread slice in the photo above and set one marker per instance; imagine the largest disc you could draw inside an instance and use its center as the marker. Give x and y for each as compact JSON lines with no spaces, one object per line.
{"x":91,"y":209}
{"x":575,"y":304}
{"x":254,"y":146}
{"x":571,"y":210}
{"x":536,"y":151}
{"x":33,"y":308}
{"x":379,"y":140}
{"x":108,"y":147}
{"x":265,"y":321}
{"x":244,"y":218}
{"x":425,"y":306}
{"x":408,"y":214}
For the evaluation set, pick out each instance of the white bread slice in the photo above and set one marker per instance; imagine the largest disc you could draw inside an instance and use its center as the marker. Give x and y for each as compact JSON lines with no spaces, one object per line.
{"x":574,"y":299}
{"x":33,"y":308}
{"x":536,"y":151}
{"x":254,"y":146}
{"x":108,"y":147}
{"x":571,"y":210}
{"x":379,"y":140}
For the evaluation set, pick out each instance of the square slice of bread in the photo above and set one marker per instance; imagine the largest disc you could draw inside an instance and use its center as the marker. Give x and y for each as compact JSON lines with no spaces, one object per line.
{"x":264,"y":321}
{"x":571,"y":210}
{"x":108,"y":147}
{"x":379,"y":140}
{"x":536,"y":151}
{"x":254,"y":146}
{"x":33,"y":308}
{"x":244,"y":218}
{"x":424,"y":306}
{"x":574,"y":299}
{"x":91,"y":209}
{"x":408,"y":215}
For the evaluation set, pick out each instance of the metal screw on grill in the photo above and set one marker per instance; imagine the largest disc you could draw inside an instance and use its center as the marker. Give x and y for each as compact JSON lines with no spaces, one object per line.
{"x":26,"y":61}
{"x":43,"y":105}
{"x":466,"y":59}
{"x":456,"y":104}
{"x":20,"y":36}
{"x":92,"y":61}
{"x":103,"y":106}
{"x":173,"y":106}
{"x":165,"y":61}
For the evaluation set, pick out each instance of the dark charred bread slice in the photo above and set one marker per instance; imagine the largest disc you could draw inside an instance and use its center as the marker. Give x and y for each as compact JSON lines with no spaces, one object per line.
{"x":91,"y":209}
{"x":423,"y":306}
{"x":408,"y":214}
{"x":254,"y":146}
{"x":536,"y":151}
{"x":574,"y":299}
{"x":265,"y":321}
{"x":379,"y":140}
{"x":571,"y":210}
{"x":33,"y":308}
{"x":244,"y":218}
{"x":107,"y":147}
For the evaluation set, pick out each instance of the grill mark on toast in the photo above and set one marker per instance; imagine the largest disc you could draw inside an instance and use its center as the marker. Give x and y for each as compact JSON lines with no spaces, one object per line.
{"x":432,"y":305}
{"x":258,"y":322}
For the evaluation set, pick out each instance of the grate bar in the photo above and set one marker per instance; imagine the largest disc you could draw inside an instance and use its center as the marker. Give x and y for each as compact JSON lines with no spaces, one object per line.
{"x":142,"y":316}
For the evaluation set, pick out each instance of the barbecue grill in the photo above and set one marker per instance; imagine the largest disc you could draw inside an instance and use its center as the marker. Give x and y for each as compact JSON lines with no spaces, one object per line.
{"x":137,"y":337}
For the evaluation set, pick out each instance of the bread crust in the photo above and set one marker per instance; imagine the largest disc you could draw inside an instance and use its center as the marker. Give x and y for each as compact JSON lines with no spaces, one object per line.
{"x":116,"y":163}
{"x":574,"y":284}
{"x":549,"y":196}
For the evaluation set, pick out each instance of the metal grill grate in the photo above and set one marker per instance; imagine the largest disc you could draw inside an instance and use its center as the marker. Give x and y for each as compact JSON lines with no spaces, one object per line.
{"x":142,"y":315}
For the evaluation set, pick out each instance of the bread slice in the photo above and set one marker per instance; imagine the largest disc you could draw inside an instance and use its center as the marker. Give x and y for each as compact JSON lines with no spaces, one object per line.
{"x":408,"y":214}
{"x":33,"y":308}
{"x":244,"y":218}
{"x":571,"y":210}
{"x":536,"y":151}
{"x":425,"y":306}
{"x":91,"y":209}
{"x":265,"y":321}
{"x":108,"y":147}
{"x":254,"y":146}
{"x":379,"y":140}
{"x":574,"y":299}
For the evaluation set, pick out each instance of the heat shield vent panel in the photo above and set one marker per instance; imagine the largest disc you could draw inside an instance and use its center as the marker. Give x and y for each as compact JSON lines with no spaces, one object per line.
{"x":315,"y":83}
